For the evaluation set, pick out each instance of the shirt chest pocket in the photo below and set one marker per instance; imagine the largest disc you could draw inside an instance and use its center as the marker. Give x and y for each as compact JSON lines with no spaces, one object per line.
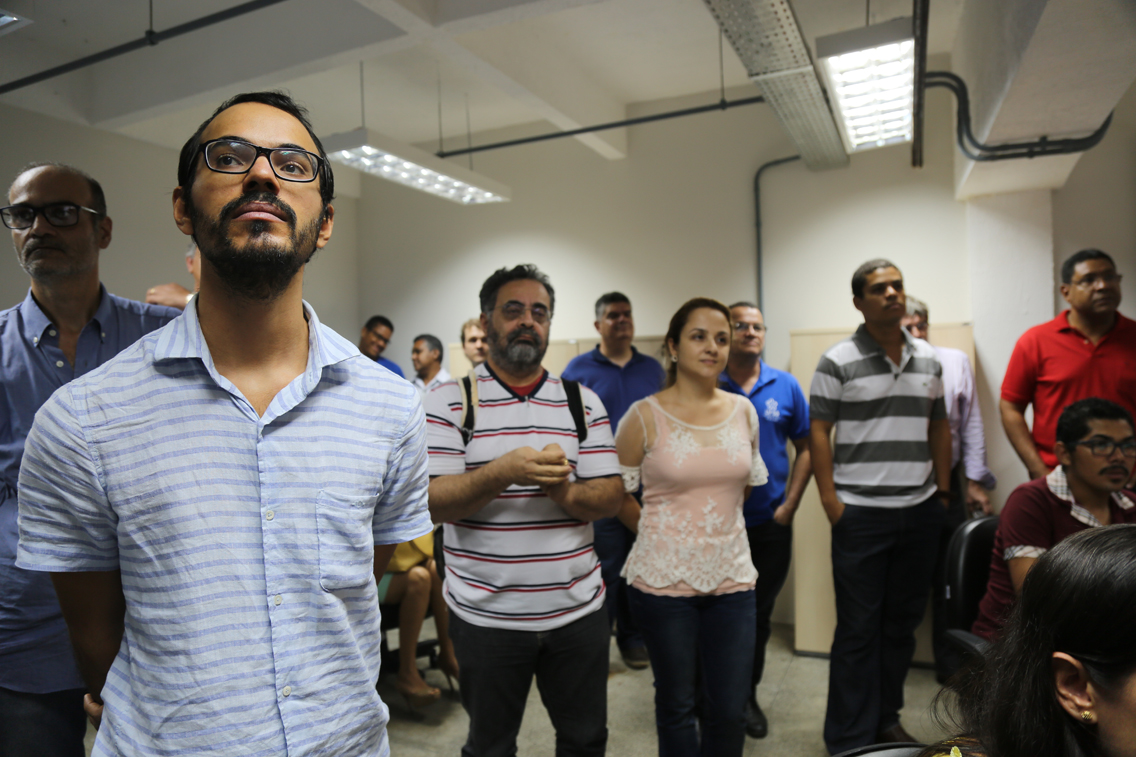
{"x":346,"y":540}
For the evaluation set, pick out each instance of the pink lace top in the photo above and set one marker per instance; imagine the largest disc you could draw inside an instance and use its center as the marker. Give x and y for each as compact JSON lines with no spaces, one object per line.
{"x":692,"y":537}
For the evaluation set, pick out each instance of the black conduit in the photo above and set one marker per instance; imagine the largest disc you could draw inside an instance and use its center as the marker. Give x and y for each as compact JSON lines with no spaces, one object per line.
{"x":150,"y":39}
{"x":720,"y":105}
{"x":757,"y":217}
{"x":980,"y":152}
{"x":920,"y":15}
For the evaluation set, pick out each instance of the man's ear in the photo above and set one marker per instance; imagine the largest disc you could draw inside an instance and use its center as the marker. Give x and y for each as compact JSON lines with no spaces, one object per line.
{"x":484,"y":324}
{"x":1065,"y":291}
{"x":326,"y":222}
{"x":182,"y":218}
{"x":597,"y":325}
{"x":106,"y":225}
{"x":1074,"y":690}
{"x":858,"y":303}
{"x":1063,"y":454}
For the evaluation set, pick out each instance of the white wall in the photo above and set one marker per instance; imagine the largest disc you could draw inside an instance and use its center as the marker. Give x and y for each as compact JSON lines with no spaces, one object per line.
{"x":146,"y":248}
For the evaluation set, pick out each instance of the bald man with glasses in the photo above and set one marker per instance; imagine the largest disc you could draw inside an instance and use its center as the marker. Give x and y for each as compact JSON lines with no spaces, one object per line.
{"x":67,"y":326}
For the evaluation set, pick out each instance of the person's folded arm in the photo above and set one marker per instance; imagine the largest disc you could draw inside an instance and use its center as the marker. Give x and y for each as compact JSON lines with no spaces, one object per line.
{"x":459,"y":496}
{"x":589,"y":500}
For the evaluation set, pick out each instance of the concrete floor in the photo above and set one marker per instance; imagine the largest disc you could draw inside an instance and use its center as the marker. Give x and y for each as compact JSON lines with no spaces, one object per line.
{"x":792,"y":695}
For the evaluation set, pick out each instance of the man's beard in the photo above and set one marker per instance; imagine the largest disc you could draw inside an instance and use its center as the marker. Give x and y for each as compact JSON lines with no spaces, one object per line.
{"x":511,"y":354}
{"x":263,"y":269}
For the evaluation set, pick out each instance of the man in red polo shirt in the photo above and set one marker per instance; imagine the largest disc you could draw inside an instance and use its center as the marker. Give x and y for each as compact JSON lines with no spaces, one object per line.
{"x":1097,"y":451}
{"x":1088,"y":350}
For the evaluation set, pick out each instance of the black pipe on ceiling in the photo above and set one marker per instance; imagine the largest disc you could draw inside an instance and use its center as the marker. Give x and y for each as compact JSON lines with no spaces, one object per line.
{"x":150,"y":39}
{"x":919,"y":20}
{"x":720,"y":105}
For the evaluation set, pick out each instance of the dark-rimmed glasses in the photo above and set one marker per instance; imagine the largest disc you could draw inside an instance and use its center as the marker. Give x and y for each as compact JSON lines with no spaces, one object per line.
{"x":237,"y":157}
{"x":1102,"y":446}
{"x":61,"y":214}
{"x":514,"y":311}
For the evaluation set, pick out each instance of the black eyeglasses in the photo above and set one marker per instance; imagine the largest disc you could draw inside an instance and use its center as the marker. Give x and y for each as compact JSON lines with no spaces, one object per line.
{"x":1102,"y":446}
{"x":57,"y":214}
{"x":515,"y":310}
{"x":757,"y":328}
{"x":235,"y":156}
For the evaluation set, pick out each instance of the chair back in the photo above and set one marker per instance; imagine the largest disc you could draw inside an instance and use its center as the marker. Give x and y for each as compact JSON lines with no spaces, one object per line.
{"x":968,"y":570}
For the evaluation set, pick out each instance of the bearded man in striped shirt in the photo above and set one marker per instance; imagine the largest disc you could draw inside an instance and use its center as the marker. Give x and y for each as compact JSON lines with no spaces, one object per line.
{"x":518,"y":492}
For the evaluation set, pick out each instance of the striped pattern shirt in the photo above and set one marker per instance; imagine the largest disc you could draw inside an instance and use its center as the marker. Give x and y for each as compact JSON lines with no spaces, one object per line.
{"x":521,"y":562}
{"x":881,"y":413}
{"x":245,"y":543}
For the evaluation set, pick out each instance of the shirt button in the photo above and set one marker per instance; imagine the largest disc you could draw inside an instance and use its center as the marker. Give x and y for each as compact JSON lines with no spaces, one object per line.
{"x":269,"y":515}
{"x":52,"y":332}
{"x":277,"y":600}
{"x":35,"y":340}
{"x":58,"y":363}
{"x":287,"y":691}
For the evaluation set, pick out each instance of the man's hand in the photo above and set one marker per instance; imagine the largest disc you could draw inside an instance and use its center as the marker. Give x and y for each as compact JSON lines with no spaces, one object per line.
{"x":94,"y":710}
{"x":833,"y":508}
{"x":548,"y":469}
{"x":977,"y":498}
{"x":170,"y":295}
{"x":784,"y":514}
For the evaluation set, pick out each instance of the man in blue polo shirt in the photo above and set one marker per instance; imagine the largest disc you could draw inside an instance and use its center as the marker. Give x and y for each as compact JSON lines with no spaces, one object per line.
{"x":784,"y":416}
{"x":373,"y":341}
{"x":620,"y":375}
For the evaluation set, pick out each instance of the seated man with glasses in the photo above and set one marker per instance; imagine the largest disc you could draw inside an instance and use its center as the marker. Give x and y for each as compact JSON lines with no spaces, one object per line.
{"x":1087,"y":351}
{"x":67,"y":326}
{"x":1096,"y":450}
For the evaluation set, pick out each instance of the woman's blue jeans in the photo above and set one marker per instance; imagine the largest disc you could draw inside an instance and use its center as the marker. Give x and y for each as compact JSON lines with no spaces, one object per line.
{"x":711,"y":635}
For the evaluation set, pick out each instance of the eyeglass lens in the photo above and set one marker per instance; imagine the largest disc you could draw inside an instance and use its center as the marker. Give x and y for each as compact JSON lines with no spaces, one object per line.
{"x":1105,"y":447}
{"x":231,"y":156}
{"x":515,"y":310}
{"x":23,"y":216}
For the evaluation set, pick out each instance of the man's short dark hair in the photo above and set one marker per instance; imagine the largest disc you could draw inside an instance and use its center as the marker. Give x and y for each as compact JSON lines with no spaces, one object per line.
{"x":378,"y":320}
{"x":860,"y":278}
{"x":611,"y":298}
{"x":98,"y":199}
{"x":743,"y":304}
{"x":189,"y":152}
{"x":432,"y":342}
{"x":1073,"y":425}
{"x":503,"y":276}
{"x":1080,"y":257}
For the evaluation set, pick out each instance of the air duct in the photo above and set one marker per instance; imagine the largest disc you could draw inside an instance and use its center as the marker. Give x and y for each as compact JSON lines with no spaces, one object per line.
{"x":767,"y":39}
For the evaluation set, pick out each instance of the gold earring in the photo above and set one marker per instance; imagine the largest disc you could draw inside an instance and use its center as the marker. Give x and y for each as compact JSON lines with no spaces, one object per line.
{"x":1087,"y":716}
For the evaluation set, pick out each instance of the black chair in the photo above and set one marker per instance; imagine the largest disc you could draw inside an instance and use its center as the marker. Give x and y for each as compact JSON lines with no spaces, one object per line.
{"x":885,"y":750}
{"x":968,"y":570}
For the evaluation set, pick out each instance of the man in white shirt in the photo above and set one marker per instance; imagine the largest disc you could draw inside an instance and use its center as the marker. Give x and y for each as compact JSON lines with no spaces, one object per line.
{"x":970,"y":475}
{"x":427,"y":359}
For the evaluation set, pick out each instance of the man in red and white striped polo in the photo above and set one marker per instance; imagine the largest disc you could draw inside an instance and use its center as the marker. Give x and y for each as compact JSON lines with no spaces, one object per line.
{"x":522,"y":580}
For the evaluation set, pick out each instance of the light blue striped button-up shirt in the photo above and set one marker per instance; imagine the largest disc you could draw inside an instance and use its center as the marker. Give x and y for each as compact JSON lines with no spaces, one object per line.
{"x":245,"y":543}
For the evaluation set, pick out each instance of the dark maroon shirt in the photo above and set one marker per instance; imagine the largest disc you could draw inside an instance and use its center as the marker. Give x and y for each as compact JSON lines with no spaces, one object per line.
{"x":1036,"y":517}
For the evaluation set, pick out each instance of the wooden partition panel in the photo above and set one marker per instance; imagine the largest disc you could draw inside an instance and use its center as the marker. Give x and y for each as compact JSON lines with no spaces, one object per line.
{"x":813,"y":597}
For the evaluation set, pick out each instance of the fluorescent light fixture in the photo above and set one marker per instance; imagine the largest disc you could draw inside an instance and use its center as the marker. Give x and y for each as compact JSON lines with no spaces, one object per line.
{"x":871,"y":76}
{"x":389,"y":159}
{"x":10,"y":22}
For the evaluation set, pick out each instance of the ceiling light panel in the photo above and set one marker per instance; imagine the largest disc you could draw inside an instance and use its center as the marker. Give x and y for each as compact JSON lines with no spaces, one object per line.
{"x":871,"y":76}
{"x":404,"y":164}
{"x":10,"y":22}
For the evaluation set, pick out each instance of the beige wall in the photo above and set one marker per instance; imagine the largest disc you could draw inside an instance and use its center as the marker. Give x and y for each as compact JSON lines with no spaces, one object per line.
{"x":146,"y":247}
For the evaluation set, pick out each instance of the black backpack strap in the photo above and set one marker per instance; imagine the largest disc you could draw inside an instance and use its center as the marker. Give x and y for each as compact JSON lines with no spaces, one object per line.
{"x":576,"y":407}
{"x":469,"y":405}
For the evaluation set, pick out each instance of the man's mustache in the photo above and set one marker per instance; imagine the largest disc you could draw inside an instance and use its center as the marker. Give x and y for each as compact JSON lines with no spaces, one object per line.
{"x":520,"y":331}
{"x":266,"y":198}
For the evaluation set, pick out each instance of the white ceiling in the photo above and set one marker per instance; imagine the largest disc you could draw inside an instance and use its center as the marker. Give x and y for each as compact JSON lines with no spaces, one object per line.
{"x":566,"y":63}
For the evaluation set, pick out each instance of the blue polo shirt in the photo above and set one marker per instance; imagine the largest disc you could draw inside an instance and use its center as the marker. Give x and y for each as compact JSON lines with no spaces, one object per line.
{"x":390,"y":366}
{"x":783,"y":414}
{"x":618,"y":388}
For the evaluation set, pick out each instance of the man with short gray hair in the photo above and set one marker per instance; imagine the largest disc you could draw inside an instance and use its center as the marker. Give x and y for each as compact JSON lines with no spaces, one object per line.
{"x":426,"y":356}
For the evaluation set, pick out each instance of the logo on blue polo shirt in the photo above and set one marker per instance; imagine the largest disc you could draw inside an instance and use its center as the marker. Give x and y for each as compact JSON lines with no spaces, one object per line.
{"x":771,"y":411}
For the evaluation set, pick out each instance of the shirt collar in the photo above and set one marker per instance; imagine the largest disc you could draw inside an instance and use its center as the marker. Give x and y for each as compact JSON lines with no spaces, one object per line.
{"x":1058,"y":483}
{"x":599,"y":357}
{"x":869,"y":346}
{"x":36,"y":321}
{"x":763,"y":378}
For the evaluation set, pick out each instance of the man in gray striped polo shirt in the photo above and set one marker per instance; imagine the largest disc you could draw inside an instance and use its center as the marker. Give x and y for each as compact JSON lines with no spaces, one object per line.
{"x":884,"y":483}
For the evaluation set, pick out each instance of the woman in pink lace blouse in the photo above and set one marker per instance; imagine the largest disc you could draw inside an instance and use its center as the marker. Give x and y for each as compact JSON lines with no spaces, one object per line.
{"x":694,"y":449}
